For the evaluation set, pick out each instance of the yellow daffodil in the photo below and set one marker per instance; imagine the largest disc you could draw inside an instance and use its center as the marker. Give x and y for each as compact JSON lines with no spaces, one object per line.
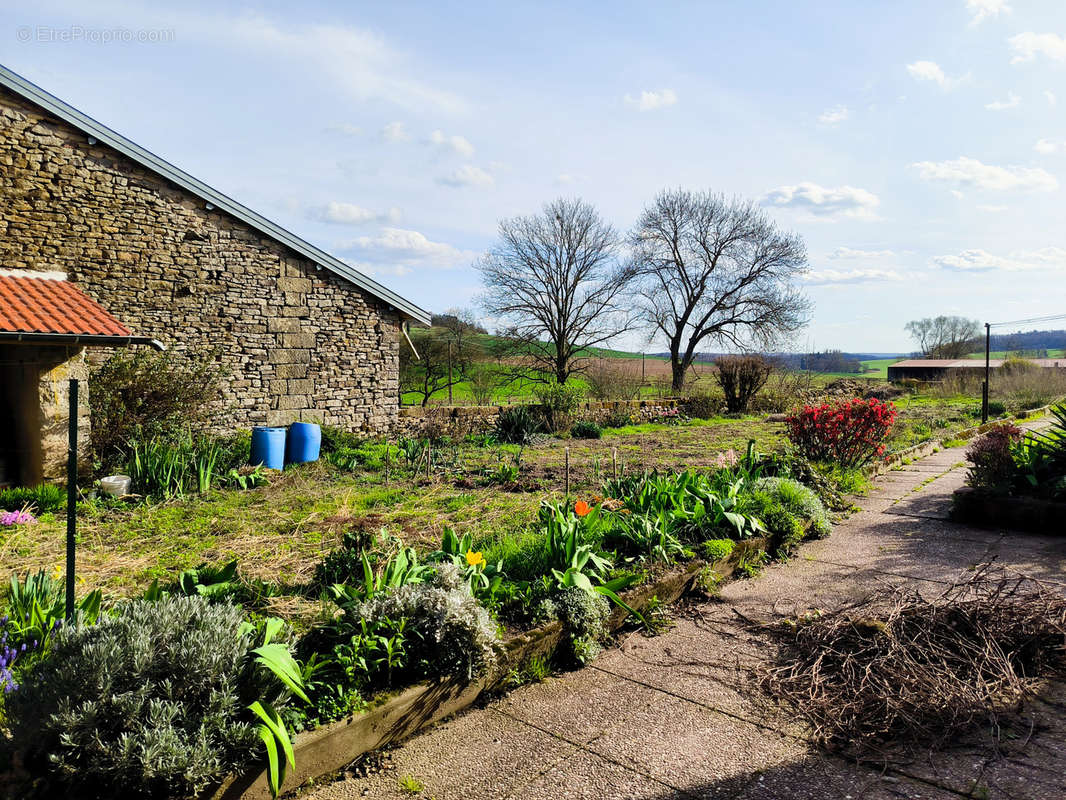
{"x":475,"y":559}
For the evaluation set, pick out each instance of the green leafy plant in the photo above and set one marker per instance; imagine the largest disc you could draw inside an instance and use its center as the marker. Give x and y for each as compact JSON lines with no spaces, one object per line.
{"x":517,"y":425}
{"x":482,"y":577}
{"x":43,"y":499}
{"x":586,"y":430}
{"x":717,"y":549}
{"x":139,"y":395}
{"x":36,"y":609}
{"x":557,"y":402}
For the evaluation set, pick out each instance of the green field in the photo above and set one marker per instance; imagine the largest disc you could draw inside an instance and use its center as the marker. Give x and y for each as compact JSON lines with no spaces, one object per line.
{"x":1059,"y":353}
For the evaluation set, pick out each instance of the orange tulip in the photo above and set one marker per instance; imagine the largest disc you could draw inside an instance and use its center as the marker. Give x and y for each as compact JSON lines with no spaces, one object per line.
{"x":581,"y":508}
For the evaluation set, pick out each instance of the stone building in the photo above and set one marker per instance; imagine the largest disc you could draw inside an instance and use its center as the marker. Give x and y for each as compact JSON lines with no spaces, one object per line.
{"x":301,"y":334}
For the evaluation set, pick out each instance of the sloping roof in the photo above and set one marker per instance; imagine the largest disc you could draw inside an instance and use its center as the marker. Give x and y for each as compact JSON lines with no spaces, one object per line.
{"x":973,"y":363}
{"x":41,"y":302}
{"x":942,"y":363}
{"x":102,"y":133}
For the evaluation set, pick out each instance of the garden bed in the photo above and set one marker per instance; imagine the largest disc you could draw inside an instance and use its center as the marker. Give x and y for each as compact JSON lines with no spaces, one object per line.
{"x":988,"y":509}
{"x":325,"y":750}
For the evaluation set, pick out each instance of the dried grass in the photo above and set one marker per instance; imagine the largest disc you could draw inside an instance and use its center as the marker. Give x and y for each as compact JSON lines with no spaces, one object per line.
{"x":898,"y":668}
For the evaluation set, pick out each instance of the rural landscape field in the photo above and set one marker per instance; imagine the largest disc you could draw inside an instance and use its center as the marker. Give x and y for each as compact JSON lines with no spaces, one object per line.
{"x":467,"y":401}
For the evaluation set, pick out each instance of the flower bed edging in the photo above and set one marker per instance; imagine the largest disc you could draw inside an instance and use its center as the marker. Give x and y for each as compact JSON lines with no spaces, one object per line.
{"x":325,"y":750}
{"x":1020,"y":513}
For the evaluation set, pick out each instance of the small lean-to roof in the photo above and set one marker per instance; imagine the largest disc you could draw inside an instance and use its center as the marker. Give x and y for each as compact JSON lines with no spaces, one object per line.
{"x":45,"y":302}
{"x":102,"y":133}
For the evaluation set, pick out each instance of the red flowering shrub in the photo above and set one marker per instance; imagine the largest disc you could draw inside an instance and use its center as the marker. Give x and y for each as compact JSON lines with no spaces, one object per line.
{"x":848,"y":433}
{"x":991,"y":459}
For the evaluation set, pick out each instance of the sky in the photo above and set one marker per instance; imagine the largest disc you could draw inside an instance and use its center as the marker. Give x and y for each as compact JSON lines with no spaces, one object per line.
{"x":918,"y":146}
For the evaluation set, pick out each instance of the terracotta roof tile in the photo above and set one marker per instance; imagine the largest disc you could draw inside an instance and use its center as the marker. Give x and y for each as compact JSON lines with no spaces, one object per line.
{"x":41,"y":303}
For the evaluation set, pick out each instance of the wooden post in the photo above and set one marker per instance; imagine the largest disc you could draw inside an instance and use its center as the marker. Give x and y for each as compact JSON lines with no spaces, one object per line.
{"x":429,"y":456}
{"x":984,"y":389}
{"x":568,"y":472}
{"x":450,"y":402}
{"x":614,"y":461}
{"x":72,"y":493}
{"x":387,"y":447}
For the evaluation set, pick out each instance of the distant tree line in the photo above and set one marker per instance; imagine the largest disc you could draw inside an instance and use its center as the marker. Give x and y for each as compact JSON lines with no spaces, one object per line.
{"x":829,"y":361}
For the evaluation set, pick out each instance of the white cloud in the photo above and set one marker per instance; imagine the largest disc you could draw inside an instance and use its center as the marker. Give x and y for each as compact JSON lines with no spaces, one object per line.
{"x":830,"y":277}
{"x":564,"y":179}
{"x":398,"y":248}
{"x":824,"y":202}
{"x":362,"y":64}
{"x":344,"y":129}
{"x":849,"y":252}
{"x":833,"y":116}
{"x":931,"y":71}
{"x":457,"y":144}
{"x":984,"y":9}
{"x":1048,"y":258}
{"x":467,"y":175}
{"x":1050,"y":96}
{"x":395,"y":132}
{"x":1012,"y":101}
{"x":1027,"y":46}
{"x":651,"y":100}
{"x":351,"y":214}
{"x":970,"y":172}
{"x":993,"y":209}
{"x":1049,"y":146}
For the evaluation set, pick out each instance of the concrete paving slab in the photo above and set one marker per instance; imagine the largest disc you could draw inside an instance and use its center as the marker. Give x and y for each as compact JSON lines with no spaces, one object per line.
{"x":588,"y":776}
{"x":688,"y":745}
{"x":1043,"y":557}
{"x":475,"y":756}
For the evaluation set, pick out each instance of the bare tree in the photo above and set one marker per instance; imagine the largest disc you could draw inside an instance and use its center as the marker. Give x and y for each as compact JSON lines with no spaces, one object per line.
{"x":712,"y":268}
{"x":944,"y":336}
{"x":555,"y":281}
{"x":446,"y":357}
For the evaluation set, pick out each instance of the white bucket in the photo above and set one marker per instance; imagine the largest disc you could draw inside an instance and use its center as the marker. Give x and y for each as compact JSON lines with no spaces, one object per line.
{"x":115,"y":485}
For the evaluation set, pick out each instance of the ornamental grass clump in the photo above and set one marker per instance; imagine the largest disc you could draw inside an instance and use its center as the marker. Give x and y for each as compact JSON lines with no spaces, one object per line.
{"x":849,"y":433}
{"x":151,"y":702}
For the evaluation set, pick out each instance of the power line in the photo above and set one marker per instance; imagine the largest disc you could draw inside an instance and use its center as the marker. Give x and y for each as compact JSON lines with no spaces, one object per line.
{"x":1030,"y":321}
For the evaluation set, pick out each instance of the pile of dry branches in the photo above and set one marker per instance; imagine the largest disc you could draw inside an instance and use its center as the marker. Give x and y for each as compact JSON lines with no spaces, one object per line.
{"x":900,"y":668}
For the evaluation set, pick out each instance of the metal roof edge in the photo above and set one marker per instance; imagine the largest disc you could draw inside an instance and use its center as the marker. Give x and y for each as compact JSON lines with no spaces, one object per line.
{"x":87,"y":124}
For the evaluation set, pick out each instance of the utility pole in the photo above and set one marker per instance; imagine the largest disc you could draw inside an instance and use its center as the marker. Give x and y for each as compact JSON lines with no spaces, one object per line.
{"x":988,"y":371}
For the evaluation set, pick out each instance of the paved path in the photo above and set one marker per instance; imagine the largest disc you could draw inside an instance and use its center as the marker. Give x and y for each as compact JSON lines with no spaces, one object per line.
{"x":672,"y":717}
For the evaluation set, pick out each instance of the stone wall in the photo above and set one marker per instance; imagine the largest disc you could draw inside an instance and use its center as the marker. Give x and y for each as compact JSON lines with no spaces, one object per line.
{"x":465,"y":420}
{"x":297,"y":341}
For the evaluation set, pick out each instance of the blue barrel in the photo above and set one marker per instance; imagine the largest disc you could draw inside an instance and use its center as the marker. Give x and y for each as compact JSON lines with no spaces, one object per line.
{"x":305,"y":440}
{"x":268,"y":447}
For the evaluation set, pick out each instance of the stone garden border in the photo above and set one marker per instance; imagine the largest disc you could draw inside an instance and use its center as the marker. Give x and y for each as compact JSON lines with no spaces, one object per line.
{"x":325,"y":750}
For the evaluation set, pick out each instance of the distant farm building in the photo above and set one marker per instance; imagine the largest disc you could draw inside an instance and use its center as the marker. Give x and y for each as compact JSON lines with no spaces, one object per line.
{"x":937,"y":369}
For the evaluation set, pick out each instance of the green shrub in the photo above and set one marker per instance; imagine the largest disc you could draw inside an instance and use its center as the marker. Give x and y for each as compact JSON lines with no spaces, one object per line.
{"x":345,"y":563}
{"x":517,"y":425}
{"x":139,"y":394}
{"x":558,"y":401}
{"x":618,"y":418}
{"x":785,"y":528}
{"x":996,"y":408}
{"x":335,"y":438}
{"x":584,"y":616}
{"x":798,"y":500}
{"x":447,"y":633}
{"x":702,"y":405}
{"x":42,"y":499}
{"x":586,"y":430}
{"x":150,"y":702}
{"x":717,"y":549}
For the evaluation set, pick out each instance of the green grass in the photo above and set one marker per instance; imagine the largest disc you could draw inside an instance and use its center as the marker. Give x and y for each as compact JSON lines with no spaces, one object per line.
{"x":878,"y":367}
